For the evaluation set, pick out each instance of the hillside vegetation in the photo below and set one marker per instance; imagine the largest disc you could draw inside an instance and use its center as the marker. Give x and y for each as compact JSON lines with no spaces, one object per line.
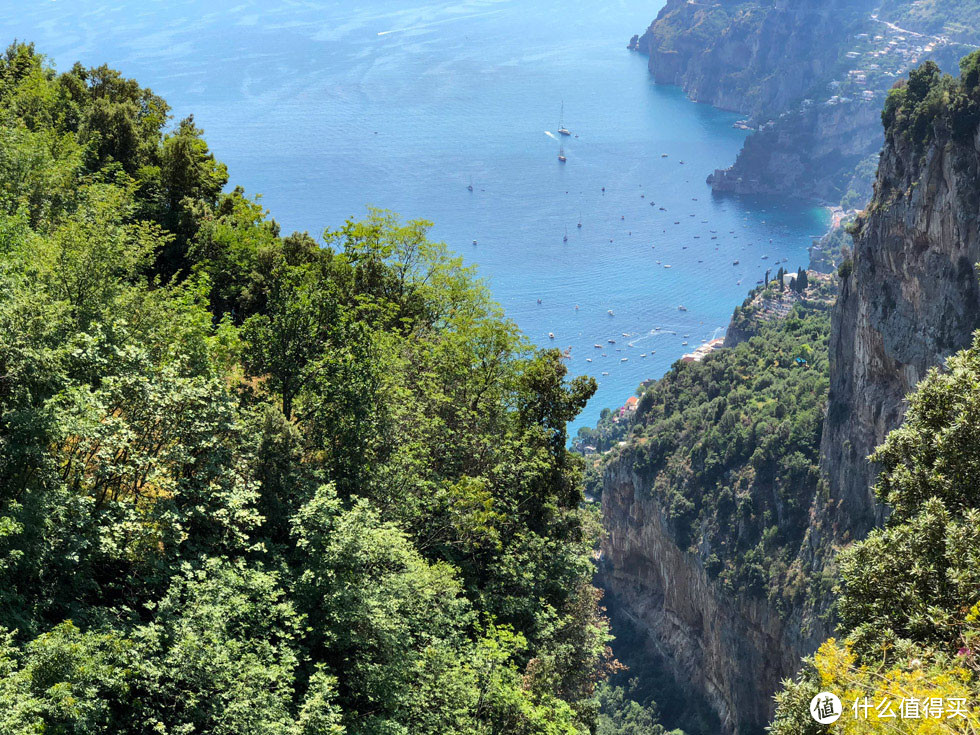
{"x":957,"y":19}
{"x":729,"y":447}
{"x":249,"y":484}
{"x":909,"y":594}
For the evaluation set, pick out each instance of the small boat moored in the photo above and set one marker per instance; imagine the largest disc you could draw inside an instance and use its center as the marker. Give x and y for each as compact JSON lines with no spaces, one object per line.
{"x":562,"y":130}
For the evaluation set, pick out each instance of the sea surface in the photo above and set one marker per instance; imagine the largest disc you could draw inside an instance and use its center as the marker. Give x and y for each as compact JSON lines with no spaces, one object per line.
{"x":327,"y":107}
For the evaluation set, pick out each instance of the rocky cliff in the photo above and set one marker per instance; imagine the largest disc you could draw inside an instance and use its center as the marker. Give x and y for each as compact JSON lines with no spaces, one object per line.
{"x":810,"y":75}
{"x":730,"y":651}
{"x":706,"y":504}
{"x":809,"y":153}
{"x":750,"y":56}
{"x":910,"y":299}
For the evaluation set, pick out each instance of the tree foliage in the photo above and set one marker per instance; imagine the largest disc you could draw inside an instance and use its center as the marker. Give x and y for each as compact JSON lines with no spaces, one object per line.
{"x":249,"y":483}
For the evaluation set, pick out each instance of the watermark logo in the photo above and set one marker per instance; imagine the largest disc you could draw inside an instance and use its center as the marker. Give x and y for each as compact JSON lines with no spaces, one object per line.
{"x":826,"y":708}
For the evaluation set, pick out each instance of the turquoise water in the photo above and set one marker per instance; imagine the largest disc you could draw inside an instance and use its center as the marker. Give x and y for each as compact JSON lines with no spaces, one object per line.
{"x":325,"y":107}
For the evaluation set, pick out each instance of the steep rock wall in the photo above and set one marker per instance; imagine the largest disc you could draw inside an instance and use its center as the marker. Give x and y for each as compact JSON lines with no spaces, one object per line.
{"x":811,"y":153}
{"x":732,"y":652}
{"x":749,"y":56}
{"x":911,"y":300}
{"x":908,"y":299}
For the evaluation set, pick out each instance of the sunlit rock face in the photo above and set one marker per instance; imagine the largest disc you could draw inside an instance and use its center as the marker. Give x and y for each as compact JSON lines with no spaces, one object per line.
{"x":909,"y":302}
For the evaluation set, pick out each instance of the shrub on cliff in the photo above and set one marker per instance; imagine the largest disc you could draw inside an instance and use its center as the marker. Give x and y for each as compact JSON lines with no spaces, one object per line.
{"x":915,"y":107}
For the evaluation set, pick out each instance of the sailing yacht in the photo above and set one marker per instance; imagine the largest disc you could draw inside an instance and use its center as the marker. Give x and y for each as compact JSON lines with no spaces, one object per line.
{"x":470,"y":187}
{"x":562,"y":130}
{"x":565,"y":239}
{"x":561,"y":153}
{"x":579,"y":225}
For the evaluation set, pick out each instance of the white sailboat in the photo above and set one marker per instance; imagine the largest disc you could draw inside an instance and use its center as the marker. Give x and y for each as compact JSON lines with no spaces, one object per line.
{"x":562,"y":130}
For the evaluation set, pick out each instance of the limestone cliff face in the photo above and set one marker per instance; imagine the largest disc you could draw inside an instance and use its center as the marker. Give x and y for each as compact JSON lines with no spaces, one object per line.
{"x":764,"y":59}
{"x":731,"y":652}
{"x":746,"y":55}
{"x":810,"y":153}
{"x":911,"y":300}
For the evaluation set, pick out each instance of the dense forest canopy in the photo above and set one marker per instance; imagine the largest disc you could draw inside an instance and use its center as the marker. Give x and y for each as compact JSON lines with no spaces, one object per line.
{"x":249,"y":484}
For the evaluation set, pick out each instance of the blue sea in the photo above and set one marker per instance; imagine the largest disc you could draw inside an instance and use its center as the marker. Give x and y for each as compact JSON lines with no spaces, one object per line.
{"x":327,"y":107}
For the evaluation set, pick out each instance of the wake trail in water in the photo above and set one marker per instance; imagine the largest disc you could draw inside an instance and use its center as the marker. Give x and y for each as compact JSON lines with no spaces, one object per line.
{"x":426,"y":26}
{"x":550,"y":134}
{"x":653,"y":333}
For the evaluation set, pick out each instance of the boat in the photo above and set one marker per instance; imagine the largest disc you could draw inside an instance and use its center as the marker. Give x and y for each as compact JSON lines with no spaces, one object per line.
{"x":470,"y":187}
{"x":561,"y":153}
{"x":683,"y":344}
{"x":765,"y":257}
{"x":562,"y":130}
{"x":625,"y":359}
{"x":551,"y":335}
{"x":579,"y":225}
{"x":734,"y":262}
{"x":598,"y":347}
{"x":681,"y":308}
{"x":565,"y":238}
{"x":610,"y":312}
{"x":588,"y":359}
{"x":666,"y":265}
{"x":605,"y":373}
{"x":611,"y":341}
